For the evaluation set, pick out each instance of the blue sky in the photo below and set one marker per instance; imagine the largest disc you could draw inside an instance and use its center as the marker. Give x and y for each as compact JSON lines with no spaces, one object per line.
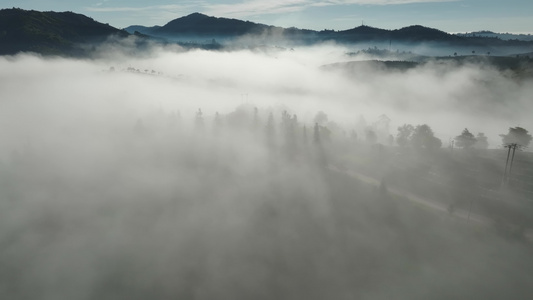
{"x":448,"y":15}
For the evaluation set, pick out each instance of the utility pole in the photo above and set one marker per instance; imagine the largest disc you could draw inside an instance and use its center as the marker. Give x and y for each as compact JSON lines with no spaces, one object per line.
{"x":508,"y":167}
{"x":504,"y":178}
{"x":512,"y":159}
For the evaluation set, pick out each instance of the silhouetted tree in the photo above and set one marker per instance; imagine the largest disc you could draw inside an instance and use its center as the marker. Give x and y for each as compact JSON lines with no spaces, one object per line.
{"x":321,"y":118}
{"x":294,"y":121}
{"x":217,"y":123}
{"x":481,"y":141}
{"x":423,"y":137}
{"x":371,"y":136}
{"x":320,"y":133}
{"x":404,"y":135}
{"x":199,"y":120}
{"x":285,"y":118}
{"x":465,"y":140}
{"x":517,"y":135}
{"x":239,"y":118}
{"x":270,"y":130}
{"x":291,"y":144}
{"x":316,"y":134}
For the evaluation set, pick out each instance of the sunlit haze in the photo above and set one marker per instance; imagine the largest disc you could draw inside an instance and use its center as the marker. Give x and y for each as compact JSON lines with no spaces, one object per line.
{"x":266,"y":164}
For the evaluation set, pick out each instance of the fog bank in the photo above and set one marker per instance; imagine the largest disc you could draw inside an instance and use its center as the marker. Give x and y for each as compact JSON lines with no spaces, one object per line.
{"x":201,"y":175}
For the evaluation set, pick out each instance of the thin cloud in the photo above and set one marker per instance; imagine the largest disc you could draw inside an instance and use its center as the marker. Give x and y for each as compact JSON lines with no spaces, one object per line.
{"x":250,"y":8}
{"x":384,"y":2}
{"x":256,"y":7}
{"x":130,"y":8}
{"x":117,"y":9}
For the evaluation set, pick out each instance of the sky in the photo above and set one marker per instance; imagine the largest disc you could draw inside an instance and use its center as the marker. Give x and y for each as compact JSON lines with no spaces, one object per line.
{"x":513,"y":16}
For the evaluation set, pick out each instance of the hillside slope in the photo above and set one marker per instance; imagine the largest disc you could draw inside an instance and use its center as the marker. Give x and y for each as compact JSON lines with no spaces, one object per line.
{"x":49,"y":32}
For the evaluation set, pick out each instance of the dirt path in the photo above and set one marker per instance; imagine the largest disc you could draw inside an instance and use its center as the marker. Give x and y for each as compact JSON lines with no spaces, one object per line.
{"x":434,"y":205}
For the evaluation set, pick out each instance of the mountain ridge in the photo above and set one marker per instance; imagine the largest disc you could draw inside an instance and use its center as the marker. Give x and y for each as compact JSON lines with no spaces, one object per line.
{"x":50,"y":32}
{"x":201,"y":25}
{"x":72,"y":34}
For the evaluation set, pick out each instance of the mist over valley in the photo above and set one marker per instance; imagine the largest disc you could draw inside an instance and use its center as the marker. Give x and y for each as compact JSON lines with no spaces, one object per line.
{"x":324,"y":171}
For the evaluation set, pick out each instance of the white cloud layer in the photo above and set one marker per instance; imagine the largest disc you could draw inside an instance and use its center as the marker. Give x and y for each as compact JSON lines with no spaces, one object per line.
{"x":114,"y":186}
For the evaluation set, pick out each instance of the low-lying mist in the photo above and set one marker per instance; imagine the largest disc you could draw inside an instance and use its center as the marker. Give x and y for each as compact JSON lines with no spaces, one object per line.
{"x":204,"y":174}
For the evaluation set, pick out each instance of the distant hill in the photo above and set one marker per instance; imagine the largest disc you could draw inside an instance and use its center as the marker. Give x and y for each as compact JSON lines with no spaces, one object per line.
{"x":415,"y":33}
{"x":197,"y":24}
{"x":361,"y":33}
{"x":142,"y":29}
{"x":200,"y":25}
{"x":50,"y":32}
{"x":518,"y":68}
{"x":68,"y":33}
{"x":420,"y":33}
{"x":502,"y":36}
{"x":200,"y":28}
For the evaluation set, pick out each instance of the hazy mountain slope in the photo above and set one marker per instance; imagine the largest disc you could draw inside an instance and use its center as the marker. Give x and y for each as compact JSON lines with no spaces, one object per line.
{"x":200,"y":24}
{"x":502,"y":36}
{"x":517,"y":68}
{"x":421,"y":33}
{"x":68,"y":33}
{"x":49,"y":32}
{"x":364,"y":32}
{"x":142,"y":29}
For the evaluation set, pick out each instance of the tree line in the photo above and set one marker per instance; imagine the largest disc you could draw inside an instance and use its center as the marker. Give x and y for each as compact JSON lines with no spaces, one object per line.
{"x":288,"y":130}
